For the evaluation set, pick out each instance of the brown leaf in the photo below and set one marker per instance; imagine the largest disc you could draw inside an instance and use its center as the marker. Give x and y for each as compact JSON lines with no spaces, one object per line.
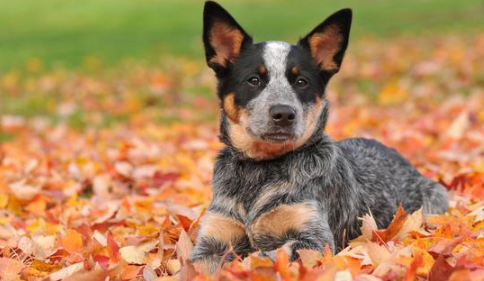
{"x":441,"y":270}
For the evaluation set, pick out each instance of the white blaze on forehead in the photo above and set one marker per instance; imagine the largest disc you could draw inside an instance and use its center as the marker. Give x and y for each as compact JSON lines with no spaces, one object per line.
{"x":275,"y":58}
{"x":278,"y":90}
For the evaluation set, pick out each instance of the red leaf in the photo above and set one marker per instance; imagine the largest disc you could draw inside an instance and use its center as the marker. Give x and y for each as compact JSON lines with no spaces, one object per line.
{"x":103,"y":261}
{"x":113,"y":247}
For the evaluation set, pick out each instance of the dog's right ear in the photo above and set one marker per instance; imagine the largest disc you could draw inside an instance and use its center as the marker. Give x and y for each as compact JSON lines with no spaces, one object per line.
{"x":223,"y":37}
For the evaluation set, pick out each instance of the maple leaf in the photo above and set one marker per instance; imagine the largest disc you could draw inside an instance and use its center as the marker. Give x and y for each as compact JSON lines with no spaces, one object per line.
{"x":383,"y":236}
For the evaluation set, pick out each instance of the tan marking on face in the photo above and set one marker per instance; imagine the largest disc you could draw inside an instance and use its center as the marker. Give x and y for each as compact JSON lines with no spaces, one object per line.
{"x":295,"y":70}
{"x":254,"y":149}
{"x":325,"y":45}
{"x":222,"y":228}
{"x":226,"y":42}
{"x":230,"y":108}
{"x":312,"y":119}
{"x":284,"y":218}
{"x":262,"y":70}
{"x":260,"y":150}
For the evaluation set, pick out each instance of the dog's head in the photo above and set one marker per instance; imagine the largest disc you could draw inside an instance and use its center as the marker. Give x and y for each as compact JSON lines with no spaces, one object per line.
{"x":272,"y":93}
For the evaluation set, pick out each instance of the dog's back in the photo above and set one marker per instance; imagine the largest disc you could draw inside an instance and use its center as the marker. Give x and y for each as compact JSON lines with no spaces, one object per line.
{"x":388,"y":179}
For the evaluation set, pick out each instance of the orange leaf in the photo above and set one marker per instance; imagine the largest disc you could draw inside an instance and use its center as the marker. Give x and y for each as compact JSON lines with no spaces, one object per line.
{"x":257,"y":262}
{"x":282,"y":264}
{"x":412,"y":271}
{"x":72,"y":242}
{"x":130,"y":271}
{"x":383,"y":236}
{"x":37,"y":206}
{"x":309,"y":258}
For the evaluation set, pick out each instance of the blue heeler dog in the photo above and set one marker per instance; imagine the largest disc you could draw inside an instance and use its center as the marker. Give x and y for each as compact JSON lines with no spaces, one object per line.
{"x":281,"y":181}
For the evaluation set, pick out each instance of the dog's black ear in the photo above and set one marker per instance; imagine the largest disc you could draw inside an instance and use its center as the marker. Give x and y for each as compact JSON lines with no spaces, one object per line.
{"x":223,"y":37}
{"x":328,"y":41}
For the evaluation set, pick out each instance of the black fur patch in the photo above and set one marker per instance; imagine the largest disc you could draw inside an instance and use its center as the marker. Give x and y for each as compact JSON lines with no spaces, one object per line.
{"x":317,"y":81}
{"x":234,"y":79}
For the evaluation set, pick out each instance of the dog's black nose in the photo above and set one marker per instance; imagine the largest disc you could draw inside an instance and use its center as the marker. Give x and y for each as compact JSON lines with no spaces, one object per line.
{"x":282,"y":115}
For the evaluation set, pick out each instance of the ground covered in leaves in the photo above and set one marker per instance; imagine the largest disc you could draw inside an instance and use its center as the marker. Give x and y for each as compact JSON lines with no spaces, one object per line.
{"x":107,"y":175}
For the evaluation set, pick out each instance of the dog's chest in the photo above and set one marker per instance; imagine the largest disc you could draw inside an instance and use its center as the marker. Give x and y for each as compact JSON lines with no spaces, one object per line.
{"x":269,"y":198}
{"x":257,"y":187}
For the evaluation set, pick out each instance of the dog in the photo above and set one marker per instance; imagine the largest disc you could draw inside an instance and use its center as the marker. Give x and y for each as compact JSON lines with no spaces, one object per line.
{"x":280,"y":181}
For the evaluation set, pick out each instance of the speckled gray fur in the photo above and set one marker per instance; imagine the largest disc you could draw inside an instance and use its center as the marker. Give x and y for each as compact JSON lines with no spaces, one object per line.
{"x":346,"y":179}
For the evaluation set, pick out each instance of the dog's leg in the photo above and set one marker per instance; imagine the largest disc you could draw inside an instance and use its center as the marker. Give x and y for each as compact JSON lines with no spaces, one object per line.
{"x":220,"y":237}
{"x":292,"y":227}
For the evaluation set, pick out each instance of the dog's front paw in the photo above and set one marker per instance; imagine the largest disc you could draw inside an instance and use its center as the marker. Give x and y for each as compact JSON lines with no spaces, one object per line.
{"x":269,"y":254}
{"x":273,"y":254}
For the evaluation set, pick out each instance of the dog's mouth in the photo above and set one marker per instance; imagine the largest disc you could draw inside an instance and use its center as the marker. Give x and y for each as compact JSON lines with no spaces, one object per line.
{"x":278,"y":137}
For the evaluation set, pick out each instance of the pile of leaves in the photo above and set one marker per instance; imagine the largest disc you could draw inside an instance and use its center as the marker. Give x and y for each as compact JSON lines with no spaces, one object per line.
{"x":124,"y":201}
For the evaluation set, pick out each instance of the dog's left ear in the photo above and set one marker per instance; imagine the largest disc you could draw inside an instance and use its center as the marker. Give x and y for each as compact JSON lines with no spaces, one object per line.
{"x":223,"y":37}
{"x":328,"y":41}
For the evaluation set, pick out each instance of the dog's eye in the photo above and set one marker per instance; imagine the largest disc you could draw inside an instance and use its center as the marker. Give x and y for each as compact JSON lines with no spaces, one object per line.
{"x":301,"y":82}
{"x":254,"y":81}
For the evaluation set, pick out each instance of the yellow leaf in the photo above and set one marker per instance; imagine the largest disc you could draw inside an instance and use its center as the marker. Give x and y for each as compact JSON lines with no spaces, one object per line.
{"x":427,"y":261}
{"x":14,"y":206}
{"x":146,"y":229}
{"x":173,"y":266}
{"x":392,"y":94}
{"x":3,"y":200}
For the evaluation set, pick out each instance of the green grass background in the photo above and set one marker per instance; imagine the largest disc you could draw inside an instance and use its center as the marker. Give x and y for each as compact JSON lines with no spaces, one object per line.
{"x":67,"y":32}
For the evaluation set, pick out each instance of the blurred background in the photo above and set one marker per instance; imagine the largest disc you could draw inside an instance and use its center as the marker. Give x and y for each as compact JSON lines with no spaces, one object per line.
{"x":82,"y":34}
{"x":98,"y":62}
